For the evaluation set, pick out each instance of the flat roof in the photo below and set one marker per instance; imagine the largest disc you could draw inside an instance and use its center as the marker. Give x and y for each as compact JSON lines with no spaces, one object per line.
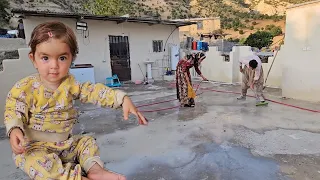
{"x":117,"y":19}
{"x":303,"y":4}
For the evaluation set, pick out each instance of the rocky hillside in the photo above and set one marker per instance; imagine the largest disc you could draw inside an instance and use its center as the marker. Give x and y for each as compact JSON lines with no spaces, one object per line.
{"x":230,"y":11}
{"x":238,"y":17}
{"x":168,"y":8}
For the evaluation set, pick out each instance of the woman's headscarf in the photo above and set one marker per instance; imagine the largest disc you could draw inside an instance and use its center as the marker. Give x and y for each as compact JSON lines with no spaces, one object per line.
{"x":198,"y":56}
{"x":188,"y":56}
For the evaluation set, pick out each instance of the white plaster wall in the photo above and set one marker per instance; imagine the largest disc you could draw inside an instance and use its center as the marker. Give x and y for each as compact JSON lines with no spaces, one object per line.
{"x":216,"y":69}
{"x":275,"y":75}
{"x":10,"y":44}
{"x":13,"y":71}
{"x":96,"y":52}
{"x":301,"y":72}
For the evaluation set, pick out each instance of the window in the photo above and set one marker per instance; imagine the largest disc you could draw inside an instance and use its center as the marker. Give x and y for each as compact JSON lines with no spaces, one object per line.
{"x":199,"y":25}
{"x":226,"y":58}
{"x":157,"y":45}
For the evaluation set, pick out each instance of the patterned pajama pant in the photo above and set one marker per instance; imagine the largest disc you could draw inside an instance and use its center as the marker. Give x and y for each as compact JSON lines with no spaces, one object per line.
{"x":64,"y":160}
{"x":247,"y":77}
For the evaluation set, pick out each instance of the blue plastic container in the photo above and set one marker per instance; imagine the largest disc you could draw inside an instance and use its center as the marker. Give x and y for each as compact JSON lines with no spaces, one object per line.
{"x":113,"y":81}
{"x":199,"y":45}
{"x":205,"y":46}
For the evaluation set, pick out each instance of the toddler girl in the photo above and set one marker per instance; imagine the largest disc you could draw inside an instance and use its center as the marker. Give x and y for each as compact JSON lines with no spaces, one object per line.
{"x":39,"y":113}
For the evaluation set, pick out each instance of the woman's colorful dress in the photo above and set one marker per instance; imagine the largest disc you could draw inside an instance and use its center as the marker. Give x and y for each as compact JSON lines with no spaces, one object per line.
{"x":182,"y":83}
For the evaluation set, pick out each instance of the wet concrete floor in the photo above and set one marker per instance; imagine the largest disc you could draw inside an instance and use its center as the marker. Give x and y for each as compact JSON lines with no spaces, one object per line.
{"x":219,"y":139}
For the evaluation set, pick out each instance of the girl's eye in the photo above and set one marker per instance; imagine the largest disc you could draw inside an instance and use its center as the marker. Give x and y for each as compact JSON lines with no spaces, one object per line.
{"x":45,"y":58}
{"x":63,"y":58}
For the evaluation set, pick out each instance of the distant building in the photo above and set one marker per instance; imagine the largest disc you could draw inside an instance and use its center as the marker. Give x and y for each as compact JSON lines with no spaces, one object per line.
{"x":203,"y":26}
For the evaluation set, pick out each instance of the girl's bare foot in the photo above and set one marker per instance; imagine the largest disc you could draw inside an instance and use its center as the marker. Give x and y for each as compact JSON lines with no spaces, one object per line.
{"x":98,"y":173}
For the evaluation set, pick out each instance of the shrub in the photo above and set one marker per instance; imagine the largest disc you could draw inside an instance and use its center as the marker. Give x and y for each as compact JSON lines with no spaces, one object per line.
{"x":259,"y":39}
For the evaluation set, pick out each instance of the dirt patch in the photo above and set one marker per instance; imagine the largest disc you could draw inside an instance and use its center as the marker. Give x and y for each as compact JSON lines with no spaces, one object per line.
{"x":299,"y":167}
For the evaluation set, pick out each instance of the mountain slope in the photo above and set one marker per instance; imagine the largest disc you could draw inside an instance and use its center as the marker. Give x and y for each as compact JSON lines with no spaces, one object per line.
{"x":238,"y":17}
{"x":180,"y":8}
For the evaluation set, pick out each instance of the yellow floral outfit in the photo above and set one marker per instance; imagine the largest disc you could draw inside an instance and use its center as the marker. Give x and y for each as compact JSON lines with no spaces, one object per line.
{"x":46,"y":118}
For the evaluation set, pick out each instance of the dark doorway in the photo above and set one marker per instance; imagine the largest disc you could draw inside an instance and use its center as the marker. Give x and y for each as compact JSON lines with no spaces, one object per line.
{"x":120,"y":57}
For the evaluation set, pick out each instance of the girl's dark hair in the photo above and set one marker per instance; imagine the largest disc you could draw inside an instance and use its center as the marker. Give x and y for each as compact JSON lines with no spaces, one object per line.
{"x":43,"y":32}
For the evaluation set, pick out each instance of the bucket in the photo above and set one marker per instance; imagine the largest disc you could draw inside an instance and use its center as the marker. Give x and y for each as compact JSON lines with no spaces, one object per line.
{"x":205,"y":46}
{"x":138,"y":82}
{"x":199,"y":45}
{"x":194,"y":45}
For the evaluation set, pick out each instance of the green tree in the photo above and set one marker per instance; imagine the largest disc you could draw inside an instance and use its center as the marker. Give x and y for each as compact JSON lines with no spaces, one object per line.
{"x":228,"y":26}
{"x":259,"y":39}
{"x":276,"y":31}
{"x":109,"y":7}
{"x":270,"y":26}
{"x":4,"y":14}
{"x":236,"y":23}
{"x":242,"y":41}
{"x":241,"y":31}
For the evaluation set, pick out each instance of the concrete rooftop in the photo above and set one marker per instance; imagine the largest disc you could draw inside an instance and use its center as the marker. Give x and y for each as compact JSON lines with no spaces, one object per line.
{"x":219,"y":139}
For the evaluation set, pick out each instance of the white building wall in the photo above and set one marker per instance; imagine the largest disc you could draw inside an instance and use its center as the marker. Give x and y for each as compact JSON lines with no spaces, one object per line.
{"x":13,"y":71}
{"x":301,"y":65}
{"x":216,"y":69}
{"x":96,"y":51}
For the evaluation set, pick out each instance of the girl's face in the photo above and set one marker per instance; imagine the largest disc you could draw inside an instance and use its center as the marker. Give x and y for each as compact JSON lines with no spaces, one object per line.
{"x":52,"y":59}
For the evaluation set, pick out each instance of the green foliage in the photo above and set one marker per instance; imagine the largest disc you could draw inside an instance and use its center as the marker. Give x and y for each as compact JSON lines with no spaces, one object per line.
{"x":259,"y":39}
{"x":254,"y":23}
{"x":218,"y":31}
{"x":251,"y":27}
{"x":109,"y":7}
{"x":226,"y":26}
{"x":269,"y":27}
{"x":241,"y":31}
{"x":274,"y":30}
{"x":4,"y":14}
{"x":233,"y":40}
{"x":242,"y":41}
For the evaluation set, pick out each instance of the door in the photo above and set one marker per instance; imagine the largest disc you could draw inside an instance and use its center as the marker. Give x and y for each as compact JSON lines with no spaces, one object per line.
{"x":120,"y":57}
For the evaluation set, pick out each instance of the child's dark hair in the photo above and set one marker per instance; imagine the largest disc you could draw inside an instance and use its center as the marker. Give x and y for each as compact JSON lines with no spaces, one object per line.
{"x":253,"y":63}
{"x":54,"y":29}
